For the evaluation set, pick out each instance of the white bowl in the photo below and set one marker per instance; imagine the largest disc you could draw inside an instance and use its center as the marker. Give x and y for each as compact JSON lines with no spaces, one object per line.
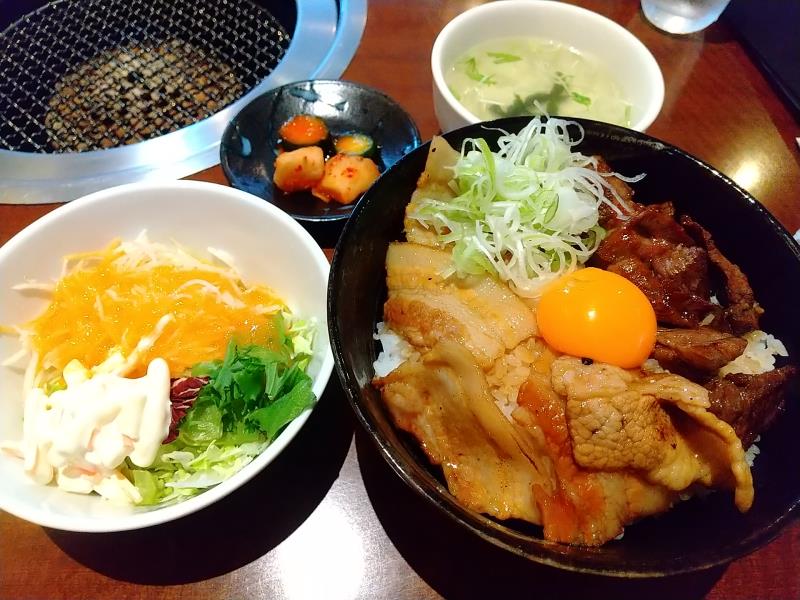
{"x":268,"y":246}
{"x":631,"y":63}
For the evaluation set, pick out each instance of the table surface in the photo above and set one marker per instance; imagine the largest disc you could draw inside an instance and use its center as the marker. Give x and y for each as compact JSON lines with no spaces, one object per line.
{"x":328,"y":519}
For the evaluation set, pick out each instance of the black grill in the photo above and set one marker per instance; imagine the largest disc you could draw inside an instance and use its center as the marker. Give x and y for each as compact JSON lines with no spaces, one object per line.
{"x":79,"y":75}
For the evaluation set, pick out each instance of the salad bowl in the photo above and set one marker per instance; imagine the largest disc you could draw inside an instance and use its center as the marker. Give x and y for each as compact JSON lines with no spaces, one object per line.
{"x":267,"y":247}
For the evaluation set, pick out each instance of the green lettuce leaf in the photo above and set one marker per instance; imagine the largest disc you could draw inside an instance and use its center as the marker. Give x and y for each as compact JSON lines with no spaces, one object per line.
{"x":251,"y":395}
{"x":202,"y":424}
{"x":272,"y":418}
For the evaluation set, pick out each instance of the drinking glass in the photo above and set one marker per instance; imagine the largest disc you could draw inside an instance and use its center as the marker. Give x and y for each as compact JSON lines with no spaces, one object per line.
{"x":683,"y":16}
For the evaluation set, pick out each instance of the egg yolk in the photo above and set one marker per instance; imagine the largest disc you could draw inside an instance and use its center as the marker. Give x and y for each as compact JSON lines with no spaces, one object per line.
{"x":596,"y":314}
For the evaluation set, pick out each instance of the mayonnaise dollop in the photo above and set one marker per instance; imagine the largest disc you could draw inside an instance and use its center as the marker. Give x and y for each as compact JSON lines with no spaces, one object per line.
{"x":82,"y":434}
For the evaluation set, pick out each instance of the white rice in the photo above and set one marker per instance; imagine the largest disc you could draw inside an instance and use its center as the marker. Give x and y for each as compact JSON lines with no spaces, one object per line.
{"x":758,"y":356}
{"x":394,"y":351}
{"x":505,"y":378}
{"x":651,"y":366}
{"x":710,"y":316}
{"x":753,"y":451}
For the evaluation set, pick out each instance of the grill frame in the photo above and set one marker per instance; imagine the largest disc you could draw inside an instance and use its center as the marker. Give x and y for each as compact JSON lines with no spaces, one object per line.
{"x":324,"y":40}
{"x":88,"y":74}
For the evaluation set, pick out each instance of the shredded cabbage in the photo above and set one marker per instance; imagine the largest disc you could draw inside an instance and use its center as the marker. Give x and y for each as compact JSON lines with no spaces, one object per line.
{"x":527,"y":213}
{"x":180,"y":474}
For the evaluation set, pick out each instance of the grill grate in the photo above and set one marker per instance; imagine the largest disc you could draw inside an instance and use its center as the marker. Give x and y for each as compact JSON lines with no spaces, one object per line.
{"x":81,"y":75}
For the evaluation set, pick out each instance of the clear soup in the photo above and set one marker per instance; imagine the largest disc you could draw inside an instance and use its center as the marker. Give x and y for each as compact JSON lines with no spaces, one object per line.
{"x":531,"y":76}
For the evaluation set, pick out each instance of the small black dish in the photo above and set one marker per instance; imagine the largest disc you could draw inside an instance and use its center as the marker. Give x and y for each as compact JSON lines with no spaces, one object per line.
{"x":695,"y":535}
{"x":247,"y":151}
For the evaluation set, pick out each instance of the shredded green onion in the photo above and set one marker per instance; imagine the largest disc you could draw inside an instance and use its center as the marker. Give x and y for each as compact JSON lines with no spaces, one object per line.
{"x":503,"y":57}
{"x":581,"y":99}
{"x":527,"y":213}
{"x":471,"y":69}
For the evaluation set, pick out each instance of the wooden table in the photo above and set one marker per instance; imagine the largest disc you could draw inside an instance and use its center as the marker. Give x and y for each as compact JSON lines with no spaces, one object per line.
{"x":329,"y":519}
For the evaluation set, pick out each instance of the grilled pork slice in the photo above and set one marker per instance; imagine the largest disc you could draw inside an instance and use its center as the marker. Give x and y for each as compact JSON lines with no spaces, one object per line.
{"x":427,"y":317}
{"x":750,"y":403}
{"x":519,"y":469}
{"x":658,"y":426}
{"x":433,"y":184}
{"x":444,"y":402}
{"x":425,"y":305}
{"x":590,"y":448}
{"x":583,"y":506}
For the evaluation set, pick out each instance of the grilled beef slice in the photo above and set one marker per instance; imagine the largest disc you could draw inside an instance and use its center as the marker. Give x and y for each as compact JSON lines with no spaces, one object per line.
{"x":609,"y":218}
{"x":741,"y":311}
{"x":697,"y":354}
{"x":654,"y":252}
{"x":750,"y":403}
{"x":675,"y":263}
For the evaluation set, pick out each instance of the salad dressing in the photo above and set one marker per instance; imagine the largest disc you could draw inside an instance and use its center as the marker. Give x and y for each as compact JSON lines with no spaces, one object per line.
{"x":82,"y":434}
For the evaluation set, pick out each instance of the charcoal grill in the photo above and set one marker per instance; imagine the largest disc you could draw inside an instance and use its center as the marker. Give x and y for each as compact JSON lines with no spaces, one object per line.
{"x":94,"y":93}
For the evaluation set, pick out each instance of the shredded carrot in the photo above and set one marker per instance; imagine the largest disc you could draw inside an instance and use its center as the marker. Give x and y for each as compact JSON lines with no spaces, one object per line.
{"x":112,"y":299}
